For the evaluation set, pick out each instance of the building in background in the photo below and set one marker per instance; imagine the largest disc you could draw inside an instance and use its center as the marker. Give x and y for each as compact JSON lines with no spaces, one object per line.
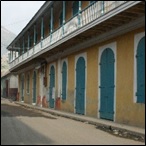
{"x":6,"y":38}
{"x":9,"y":86}
{"x":84,"y":57}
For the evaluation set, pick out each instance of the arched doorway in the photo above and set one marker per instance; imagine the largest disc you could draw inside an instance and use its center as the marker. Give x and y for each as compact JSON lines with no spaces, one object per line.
{"x":107,"y":84}
{"x":34,"y":86}
{"x":80,"y":86}
{"x":64,"y":80}
{"x":52,"y":87}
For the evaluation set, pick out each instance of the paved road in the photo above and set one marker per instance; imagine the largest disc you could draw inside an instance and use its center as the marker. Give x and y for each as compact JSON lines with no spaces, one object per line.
{"x":20,"y":126}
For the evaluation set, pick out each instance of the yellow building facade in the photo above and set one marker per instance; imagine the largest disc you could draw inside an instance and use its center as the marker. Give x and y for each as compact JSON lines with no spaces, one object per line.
{"x":126,"y":110}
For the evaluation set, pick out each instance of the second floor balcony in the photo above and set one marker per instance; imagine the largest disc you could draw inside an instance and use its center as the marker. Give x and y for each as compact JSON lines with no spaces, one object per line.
{"x":95,"y":19}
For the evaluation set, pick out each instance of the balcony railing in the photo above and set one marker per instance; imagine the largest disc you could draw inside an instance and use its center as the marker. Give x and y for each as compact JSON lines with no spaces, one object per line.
{"x":89,"y":14}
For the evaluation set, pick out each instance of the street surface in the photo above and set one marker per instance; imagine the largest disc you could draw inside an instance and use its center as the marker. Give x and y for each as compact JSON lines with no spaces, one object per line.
{"x":21,"y":126}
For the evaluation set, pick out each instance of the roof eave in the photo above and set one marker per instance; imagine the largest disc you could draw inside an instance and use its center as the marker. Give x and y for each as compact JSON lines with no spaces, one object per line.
{"x":31,"y":22}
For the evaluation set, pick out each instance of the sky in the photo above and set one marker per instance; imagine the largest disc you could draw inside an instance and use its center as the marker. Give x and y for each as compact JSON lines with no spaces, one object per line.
{"x":16,"y":14}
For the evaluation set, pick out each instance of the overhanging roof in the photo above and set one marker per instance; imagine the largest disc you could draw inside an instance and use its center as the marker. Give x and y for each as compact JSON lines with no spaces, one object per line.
{"x":32,"y":21}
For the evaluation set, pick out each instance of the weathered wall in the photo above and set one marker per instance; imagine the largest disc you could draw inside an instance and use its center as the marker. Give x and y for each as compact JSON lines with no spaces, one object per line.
{"x":127,"y":111}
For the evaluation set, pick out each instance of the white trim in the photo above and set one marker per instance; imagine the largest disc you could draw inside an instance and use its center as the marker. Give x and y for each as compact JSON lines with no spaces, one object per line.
{"x":62,"y":61}
{"x":52,"y":64}
{"x":84,"y":55}
{"x":42,"y":87}
{"x":137,"y":38}
{"x":113,"y":47}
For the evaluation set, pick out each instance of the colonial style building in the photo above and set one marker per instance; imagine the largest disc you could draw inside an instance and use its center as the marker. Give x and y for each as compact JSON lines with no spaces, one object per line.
{"x":84,"y":57}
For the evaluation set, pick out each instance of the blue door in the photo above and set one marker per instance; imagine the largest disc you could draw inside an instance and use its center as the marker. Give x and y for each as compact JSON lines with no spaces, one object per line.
{"x":80,"y":86}
{"x":22,"y":87}
{"x":52,"y":86}
{"x":141,"y":71}
{"x":107,"y":84}
{"x":64,"y":80}
{"x":34,"y":87}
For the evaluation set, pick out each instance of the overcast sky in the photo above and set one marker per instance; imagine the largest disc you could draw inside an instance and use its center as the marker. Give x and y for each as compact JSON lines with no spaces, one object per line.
{"x":16,"y":14}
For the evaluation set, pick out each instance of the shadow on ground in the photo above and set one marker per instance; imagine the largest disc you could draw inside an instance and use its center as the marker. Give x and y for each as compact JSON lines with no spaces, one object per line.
{"x":14,"y":132}
{"x":8,"y":110}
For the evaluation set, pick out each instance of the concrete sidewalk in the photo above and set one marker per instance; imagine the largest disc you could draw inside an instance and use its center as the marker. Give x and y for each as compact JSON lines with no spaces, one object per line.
{"x":108,"y":126}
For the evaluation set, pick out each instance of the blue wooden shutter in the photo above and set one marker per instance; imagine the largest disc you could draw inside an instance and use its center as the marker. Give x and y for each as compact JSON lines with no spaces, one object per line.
{"x":52,"y":84}
{"x":34,"y":87}
{"x":22,"y":87}
{"x":80,"y":86}
{"x":107,"y":84}
{"x":64,"y":80}
{"x":141,"y":71}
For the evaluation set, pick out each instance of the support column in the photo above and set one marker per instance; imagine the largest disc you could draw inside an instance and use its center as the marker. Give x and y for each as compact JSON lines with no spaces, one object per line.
{"x":79,"y":14}
{"x":15,"y":51}
{"x":15,"y":54}
{"x":18,"y":50}
{"x":19,"y":54}
{"x":63,"y":18}
{"x":102,"y":7}
{"x":10,"y":56}
{"x":34,"y":38}
{"x":42,"y":28}
{"x":51,"y":24}
{"x":42,"y":31}
{"x":23,"y":48}
{"x":28,"y":44}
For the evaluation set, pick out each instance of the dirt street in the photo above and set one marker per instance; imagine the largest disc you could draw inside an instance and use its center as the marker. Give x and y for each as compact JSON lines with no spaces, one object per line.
{"x":21,"y":126}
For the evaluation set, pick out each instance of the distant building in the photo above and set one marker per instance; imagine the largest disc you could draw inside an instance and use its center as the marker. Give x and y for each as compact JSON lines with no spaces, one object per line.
{"x":9,"y":86}
{"x":84,"y":57}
